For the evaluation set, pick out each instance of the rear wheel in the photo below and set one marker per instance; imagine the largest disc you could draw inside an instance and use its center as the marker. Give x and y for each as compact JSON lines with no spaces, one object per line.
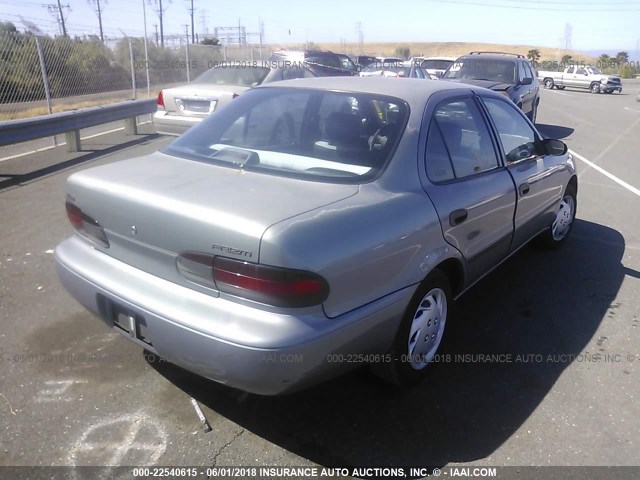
{"x":420,"y":333}
{"x":548,"y":83}
{"x":559,"y":230}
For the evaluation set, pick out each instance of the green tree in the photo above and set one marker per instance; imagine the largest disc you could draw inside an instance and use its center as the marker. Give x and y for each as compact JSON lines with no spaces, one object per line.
{"x":403,"y":52}
{"x":210,"y":41}
{"x":533,"y":55}
{"x":7,"y":27}
{"x":566,"y":60}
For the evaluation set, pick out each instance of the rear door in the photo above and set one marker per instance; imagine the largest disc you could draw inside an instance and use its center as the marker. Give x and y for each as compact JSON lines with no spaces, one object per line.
{"x":526,"y":92}
{"x":471,"y":190}
{"x":538,"y":189}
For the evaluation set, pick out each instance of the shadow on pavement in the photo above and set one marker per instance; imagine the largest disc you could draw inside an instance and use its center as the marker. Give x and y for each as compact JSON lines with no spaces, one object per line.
{"x":539,"y":303}
{"x":9,"y":180}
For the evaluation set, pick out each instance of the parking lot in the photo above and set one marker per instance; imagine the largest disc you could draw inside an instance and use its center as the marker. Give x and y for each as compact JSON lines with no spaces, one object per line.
{"x":540,"y":366}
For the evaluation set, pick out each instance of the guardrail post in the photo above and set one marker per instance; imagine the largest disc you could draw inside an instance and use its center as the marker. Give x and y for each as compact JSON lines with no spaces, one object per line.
{"x":73,"y":140}
{"x":131,"y":126}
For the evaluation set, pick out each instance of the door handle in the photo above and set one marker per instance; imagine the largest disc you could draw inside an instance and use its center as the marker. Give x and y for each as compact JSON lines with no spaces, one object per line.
{"x":524,"y":188}
{"x":457,"y":217}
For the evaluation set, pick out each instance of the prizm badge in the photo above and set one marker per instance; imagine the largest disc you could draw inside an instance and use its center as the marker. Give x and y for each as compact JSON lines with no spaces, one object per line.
{"x":234,"y":251}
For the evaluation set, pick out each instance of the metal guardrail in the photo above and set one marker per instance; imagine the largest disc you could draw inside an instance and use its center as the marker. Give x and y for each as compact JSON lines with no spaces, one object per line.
{"x":70,"y":123}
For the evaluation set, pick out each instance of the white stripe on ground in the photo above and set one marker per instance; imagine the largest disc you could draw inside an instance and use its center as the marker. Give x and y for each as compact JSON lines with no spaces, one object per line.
{"x":611,"y":176}
{"x":613,"y":144}
{"x":44,"y":149}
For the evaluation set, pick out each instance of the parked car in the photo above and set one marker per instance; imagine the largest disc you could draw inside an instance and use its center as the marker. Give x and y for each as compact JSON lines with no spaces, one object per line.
{"x":386,"y":60}
{"x":509,"y":74}
{"x":312,"y":226}
{"x":396,"y":70}
{"x":349,"y":64}
{"x":363,"y":60}
{"x":180,"y":108}
{"x":323,"y":62}
{"x":436,"y":66}
{"x":581,"y":76}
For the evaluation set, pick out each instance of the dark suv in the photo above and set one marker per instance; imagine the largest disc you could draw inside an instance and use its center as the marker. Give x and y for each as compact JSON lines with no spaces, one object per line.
{"x":322,"y":62}
{"x":507,"y":73}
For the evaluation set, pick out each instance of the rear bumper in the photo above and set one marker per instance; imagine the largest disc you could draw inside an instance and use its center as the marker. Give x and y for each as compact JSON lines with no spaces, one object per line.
{"x":247,"y":348}
{"x":168,"y":124}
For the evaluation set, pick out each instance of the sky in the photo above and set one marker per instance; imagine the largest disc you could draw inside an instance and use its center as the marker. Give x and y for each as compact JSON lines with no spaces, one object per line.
{"x":605,"y":24}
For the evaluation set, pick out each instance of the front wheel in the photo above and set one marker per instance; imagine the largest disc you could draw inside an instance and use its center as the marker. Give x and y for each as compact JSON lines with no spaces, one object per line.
{"x":595,"y":88}
{"x":420,"y":333}
{"x":559,"y":230}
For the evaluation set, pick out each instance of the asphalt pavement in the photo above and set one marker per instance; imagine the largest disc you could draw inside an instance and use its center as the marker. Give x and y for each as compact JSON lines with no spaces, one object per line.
{"x":540,"y":366}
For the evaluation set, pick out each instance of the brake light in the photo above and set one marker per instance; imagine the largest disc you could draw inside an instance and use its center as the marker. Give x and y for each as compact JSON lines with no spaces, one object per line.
{"x":276,"y":286}
{"x":160,"y":100}
{"x":86,"y":226}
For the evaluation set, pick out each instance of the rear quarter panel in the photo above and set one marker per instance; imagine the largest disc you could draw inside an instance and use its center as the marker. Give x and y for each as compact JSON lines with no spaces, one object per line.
{"x":366,"y":246}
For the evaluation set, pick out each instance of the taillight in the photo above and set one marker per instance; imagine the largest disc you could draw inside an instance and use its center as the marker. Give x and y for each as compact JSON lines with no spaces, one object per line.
{"x":160,"y":100}
{"x":86,"y":226}
{"x":276,"y":286}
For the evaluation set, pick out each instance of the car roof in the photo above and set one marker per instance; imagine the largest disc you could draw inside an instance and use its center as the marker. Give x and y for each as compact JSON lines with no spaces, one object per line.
{"x":491,"y":56}
{"x":412,"y":90}
{"x":453,"y":59}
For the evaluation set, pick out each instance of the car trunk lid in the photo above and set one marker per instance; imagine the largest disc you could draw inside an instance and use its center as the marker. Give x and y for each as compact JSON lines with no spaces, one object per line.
{"x":198,"y":100}
{"x":153,"y":208}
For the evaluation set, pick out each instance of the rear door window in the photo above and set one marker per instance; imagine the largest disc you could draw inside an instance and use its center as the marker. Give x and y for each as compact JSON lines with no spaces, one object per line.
{"x":466,"y":139}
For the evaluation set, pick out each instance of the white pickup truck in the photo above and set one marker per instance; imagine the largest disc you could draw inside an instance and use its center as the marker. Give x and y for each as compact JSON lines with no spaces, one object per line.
{"x":581,"y":76}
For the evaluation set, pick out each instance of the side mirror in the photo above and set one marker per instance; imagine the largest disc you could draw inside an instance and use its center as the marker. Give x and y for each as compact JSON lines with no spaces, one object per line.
{"x":553,"y":147}
{"x":527,"y":81}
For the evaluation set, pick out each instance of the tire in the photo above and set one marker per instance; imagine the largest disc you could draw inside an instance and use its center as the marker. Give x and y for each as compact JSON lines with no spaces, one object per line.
{"x":594,"y":88}
{"x":420,"y":333}
{"x":548,"y":83}
{"x":558,"y":232}
{"x":560,"y":87}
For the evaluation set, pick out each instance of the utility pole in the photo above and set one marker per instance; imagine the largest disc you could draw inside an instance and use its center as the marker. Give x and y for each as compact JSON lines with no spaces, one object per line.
{"x":193,"y":34}
{"x":156,"y":27}
{"x":157,"y":6}
{"x":261,"y":25}
{"x":239,"y":33}
{"x":98,"y":9}
{"x":56,"y":9}
{"x":360,"y":36}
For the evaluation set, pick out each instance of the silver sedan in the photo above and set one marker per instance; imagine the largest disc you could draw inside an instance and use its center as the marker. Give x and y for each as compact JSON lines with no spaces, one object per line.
{"x":179,"y":108}
{"x":313,"y":226}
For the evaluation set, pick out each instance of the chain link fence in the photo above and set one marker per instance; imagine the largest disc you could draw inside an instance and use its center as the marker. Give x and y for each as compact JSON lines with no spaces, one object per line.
{"x":41,"y":74}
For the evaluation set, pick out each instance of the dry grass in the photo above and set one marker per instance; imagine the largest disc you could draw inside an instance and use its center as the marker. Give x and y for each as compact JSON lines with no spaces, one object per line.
{"x":447,"y":49}
{"x":37,"y":111}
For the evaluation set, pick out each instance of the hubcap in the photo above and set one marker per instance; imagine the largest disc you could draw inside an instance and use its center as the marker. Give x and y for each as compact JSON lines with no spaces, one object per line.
{"x":564,"y":218}
{"x":427,"y":328}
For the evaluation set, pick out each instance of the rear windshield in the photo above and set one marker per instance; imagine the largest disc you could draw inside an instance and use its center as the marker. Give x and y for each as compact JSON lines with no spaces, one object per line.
{"x":495,"y":70}
{"x":312,"y":134}
{"x":244,"y":76}
{"x":436,"y":64}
